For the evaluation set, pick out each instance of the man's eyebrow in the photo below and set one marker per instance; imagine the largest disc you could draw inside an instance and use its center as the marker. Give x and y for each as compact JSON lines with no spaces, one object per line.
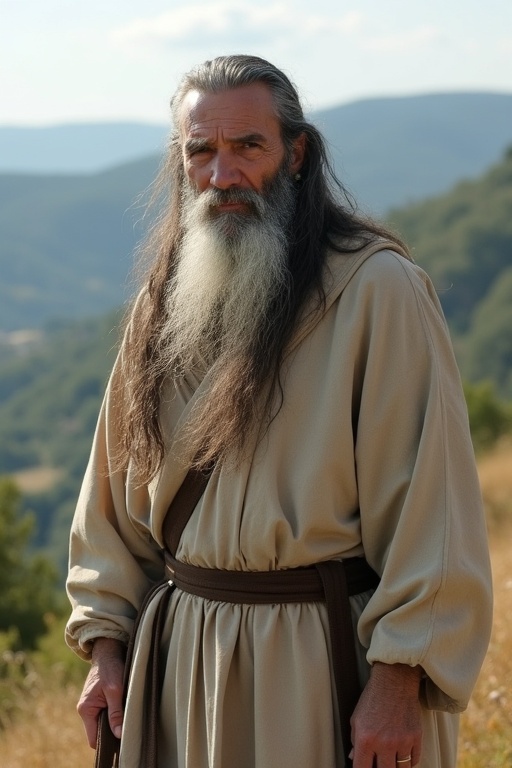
{"x":249,"y":137}
{"x":196,"y":144}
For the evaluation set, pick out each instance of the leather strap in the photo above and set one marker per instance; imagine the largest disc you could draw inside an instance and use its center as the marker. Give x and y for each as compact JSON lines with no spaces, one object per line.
{"x":178,"y":514}
{"x":290,"y":585}
{"x":182,"y":506}
{"x":333,"y":581}
{"x":107,"y":746}
{"x":344,"y":660}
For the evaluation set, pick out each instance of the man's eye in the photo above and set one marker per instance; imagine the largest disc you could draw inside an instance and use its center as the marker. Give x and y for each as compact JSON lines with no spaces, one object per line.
{"x":198,"y":151}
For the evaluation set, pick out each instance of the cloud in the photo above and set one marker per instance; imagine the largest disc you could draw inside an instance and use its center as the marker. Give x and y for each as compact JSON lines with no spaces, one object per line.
{"x":231,"y":22}
{"x":405,"y":42}
{"x":504,"y":45}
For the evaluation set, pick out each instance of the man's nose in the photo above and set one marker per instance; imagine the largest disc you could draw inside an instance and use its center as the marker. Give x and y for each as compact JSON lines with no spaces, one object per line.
{"x":224,"y":172}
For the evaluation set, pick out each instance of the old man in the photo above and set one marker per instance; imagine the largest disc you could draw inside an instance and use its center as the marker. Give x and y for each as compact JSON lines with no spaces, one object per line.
{"x":326,"y":595}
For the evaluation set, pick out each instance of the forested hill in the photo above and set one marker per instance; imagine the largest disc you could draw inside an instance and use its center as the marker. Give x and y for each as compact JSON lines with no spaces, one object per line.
{"x":66,"y":241}
{"x":390,"y":149}
{"x":49,"y":399}
{"x":464,"y":241}
{"x":49,"y":405}
{"x":394,"y":151}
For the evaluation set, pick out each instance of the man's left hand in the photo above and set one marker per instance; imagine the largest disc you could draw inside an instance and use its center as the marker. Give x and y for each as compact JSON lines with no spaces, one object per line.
{"x":386,"y":724}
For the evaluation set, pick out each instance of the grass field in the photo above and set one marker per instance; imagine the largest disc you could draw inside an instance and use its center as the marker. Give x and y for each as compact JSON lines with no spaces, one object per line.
{"x":47,"y":732}
{"x":486,"y":726}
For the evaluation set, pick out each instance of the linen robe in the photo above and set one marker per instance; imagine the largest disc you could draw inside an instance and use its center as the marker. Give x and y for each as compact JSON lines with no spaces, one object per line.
{"x":370,"y":454}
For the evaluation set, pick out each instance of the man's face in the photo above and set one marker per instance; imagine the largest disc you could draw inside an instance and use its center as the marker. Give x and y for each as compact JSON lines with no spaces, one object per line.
{"x":232,"y":140}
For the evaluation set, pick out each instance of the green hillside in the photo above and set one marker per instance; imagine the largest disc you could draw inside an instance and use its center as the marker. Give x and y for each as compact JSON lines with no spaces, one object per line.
{"x":66,"y":242}
{"x":464,"y":241}
{"x":49,"y":399}
{"x":49,"y":403}
{"x":395,"y":151}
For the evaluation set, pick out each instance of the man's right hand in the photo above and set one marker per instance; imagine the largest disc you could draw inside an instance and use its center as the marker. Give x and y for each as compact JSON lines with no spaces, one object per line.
{"x":103,"y":688}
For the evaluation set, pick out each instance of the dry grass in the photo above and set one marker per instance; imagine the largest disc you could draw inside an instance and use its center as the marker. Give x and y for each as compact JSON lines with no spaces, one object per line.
{"x":486,"y":728}
{"x":495,"y":471}
{"x":47,"y":733}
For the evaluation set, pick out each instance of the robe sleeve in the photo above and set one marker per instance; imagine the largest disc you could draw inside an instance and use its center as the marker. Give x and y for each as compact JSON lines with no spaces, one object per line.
{"x":113,"y":558}
{"x":423,"y":527}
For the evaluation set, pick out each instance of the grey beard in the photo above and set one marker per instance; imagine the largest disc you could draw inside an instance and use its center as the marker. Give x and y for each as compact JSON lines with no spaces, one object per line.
{"x":231,"y":269}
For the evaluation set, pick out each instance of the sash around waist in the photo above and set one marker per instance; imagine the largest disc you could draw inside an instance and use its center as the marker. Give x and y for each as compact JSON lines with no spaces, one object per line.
{"x":292,"y":585}
{"x":332,"y":582}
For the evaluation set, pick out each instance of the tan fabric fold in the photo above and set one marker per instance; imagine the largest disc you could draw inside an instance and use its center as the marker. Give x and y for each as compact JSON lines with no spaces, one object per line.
{"x":370,"y":455}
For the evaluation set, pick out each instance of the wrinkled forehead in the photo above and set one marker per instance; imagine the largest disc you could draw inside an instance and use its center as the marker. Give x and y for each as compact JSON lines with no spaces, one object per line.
{"x":250,"y":106}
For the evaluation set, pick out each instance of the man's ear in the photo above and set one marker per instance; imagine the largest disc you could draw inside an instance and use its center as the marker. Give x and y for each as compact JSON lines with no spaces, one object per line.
{"x":297,"y":154}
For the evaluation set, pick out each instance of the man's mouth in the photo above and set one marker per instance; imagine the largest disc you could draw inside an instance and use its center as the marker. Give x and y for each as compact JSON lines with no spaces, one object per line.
{"x":233,"y":207}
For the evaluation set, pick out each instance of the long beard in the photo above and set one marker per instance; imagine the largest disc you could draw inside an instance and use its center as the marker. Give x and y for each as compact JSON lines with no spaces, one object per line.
{"x":231,"y":278}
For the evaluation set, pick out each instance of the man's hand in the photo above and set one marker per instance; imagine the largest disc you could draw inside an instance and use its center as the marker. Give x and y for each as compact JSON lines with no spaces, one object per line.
{"x":103,"y":688}
{"x":386,"y":724}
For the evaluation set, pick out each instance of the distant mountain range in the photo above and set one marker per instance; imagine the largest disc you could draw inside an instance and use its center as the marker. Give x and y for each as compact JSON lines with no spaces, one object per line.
{"x":390,"y":151}
{"x":50,"y":395}
{"x":66,"y":239}
{"x":76,"y":149}
{"x":396,"y":151}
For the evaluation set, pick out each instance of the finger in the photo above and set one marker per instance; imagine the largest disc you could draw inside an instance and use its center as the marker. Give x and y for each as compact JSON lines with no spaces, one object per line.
{"x":115,"y":712}
{"x":112,"y":692}
{"x":389,"y":760}
{"x":416,"y":753}
{"x":89,"y":717}
{"x":403,"y":761}
{"x":363,"y":758}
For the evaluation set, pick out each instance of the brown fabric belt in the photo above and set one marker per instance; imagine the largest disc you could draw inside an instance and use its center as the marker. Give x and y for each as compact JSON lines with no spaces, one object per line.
{"x":333,"y":582}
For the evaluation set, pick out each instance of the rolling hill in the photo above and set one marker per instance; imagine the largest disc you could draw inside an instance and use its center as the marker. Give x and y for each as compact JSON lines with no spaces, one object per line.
{"x":75,"y":256}
{"x":66,"y":241}
{"x":82,"y":148}
{"x":49,"y":399}
{"x":396,"y":151}
{"x":464,"y":241}
{"x":390,"y":151}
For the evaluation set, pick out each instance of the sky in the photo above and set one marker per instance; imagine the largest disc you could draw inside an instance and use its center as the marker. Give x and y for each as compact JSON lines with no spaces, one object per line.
{"x":69,"y":61}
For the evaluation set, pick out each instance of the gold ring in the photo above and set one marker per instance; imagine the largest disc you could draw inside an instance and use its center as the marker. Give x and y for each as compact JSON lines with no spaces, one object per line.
{"x":404,"y":760}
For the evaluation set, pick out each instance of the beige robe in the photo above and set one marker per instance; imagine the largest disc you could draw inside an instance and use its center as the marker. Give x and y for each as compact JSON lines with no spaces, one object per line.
{"x":370,"y":454}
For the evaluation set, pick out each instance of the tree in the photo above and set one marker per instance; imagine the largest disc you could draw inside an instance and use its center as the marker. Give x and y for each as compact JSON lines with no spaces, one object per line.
{"x":28,"y":582}
{"x":489,"y":343}
{"x":489,"y":417}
